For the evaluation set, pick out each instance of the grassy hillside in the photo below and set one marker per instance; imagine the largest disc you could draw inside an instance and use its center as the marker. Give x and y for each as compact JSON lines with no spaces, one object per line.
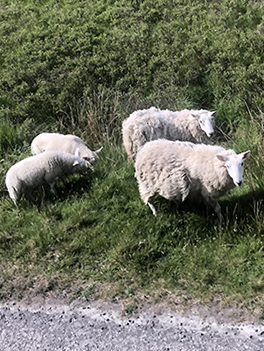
{"x":82,"y":67}
{"x":98,"y":239}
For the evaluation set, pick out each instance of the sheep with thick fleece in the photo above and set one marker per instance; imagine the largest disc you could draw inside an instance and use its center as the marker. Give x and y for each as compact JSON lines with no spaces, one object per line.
{"x":150,"y":124}
{"x":33,"y":171}
{"x":64,"y":143}
{"x":179,"y":170}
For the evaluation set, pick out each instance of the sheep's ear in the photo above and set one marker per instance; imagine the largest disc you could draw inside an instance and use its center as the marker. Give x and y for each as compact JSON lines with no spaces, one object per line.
{"x":213,"y":113}
{"x":75,"y":163}
{"x":245,"y":154}
{"x":97,"y":151}
{"x":222,"y":158}
{"x":77,"y":152}
{"x":195,"y":116}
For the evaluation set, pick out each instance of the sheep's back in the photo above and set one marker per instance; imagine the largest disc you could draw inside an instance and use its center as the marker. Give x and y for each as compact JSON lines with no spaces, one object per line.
{"x":68,"y":143}
{"x":26,"y":171}
{"x":138,"y":130}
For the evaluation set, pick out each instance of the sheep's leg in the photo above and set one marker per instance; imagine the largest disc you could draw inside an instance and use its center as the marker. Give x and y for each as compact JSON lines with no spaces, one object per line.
{"x":147,"y":202}
{"x":14,"y":195}
{"x":217,"y":209}
{"x":28,"y":196}
{"x":52,"y":188}
{"x":176,"y":202}
{"x":145,"y":195}
{"x":215,"y":205}
{"x":152,"y":208}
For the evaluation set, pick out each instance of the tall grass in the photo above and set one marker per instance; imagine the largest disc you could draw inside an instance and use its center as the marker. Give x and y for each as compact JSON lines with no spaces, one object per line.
{"x":95,"y":116}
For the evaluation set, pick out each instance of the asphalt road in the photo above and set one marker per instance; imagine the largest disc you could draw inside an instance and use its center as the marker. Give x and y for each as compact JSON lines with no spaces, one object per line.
{"x":100,"y":326}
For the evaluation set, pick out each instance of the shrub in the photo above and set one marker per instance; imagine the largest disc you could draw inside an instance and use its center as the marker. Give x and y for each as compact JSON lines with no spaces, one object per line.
{"x":55,"y":54}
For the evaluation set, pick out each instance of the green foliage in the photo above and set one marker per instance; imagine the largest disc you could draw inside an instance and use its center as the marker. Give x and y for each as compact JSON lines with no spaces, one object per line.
{"x":56,"y":53}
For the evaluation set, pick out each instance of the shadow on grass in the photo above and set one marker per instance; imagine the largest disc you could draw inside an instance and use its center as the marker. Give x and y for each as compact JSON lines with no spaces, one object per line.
{"x":198,"y":207}
{"x":250,"y":204}
{"x":235,"y":209}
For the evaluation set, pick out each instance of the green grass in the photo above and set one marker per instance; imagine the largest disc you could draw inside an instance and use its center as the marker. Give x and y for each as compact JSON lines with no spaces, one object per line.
{"x":98,"y":239}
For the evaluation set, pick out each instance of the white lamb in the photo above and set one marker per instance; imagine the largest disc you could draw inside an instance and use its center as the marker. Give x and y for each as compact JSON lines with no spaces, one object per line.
{"x":33,"y":171}
{"x":177,"y":170}
{"x":145,"y":125}
{"x":65,"y":143}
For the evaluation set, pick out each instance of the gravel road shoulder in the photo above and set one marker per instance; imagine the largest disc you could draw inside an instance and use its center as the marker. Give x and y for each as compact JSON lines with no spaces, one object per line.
{"x":56,"y":325}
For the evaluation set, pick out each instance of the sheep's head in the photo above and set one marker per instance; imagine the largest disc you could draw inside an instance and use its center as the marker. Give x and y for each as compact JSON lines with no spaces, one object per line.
{"x":234,"y":164}
{"x":206,"y":121}
{"x":81,"y":164}
{"x":93,"y":157}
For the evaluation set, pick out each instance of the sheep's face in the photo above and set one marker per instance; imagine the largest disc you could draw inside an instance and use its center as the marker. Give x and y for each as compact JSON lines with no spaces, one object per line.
{"x":93,"y":157}
{"x":235,"y":166}
{"x":206,"y":121}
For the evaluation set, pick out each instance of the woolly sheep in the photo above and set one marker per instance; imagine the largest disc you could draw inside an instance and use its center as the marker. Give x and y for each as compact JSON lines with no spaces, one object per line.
{"x":65,"y":143}
{"x":177,"y":170}
{"x":33,"y":171}
{"x":151,"y":124}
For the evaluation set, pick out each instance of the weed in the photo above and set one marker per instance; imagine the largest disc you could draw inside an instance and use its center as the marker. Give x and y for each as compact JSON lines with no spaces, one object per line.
{"x":130,"y":309}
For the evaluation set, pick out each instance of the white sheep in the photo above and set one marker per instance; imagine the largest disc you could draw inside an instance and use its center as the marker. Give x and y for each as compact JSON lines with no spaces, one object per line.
{"x":65,"y":143}
{"x":145,"y":125}
{"x":33,"y":171}
{"x":177,"y":170}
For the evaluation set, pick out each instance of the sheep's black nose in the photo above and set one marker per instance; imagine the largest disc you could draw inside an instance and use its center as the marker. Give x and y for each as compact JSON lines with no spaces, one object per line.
{"x":239,"y":183}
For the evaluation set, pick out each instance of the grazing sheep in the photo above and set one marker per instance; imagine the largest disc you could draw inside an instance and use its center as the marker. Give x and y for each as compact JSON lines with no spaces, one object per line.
{"x":64,"y":143}
{"x":177,"y":170}
{"x":145,"y":125}
{"x":33,"y":171}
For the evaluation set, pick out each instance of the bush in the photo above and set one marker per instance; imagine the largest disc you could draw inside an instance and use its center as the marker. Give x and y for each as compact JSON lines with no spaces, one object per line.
{"x":57,"y":53}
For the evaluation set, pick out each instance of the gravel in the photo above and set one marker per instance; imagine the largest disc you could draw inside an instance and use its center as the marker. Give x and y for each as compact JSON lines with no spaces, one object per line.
{"x":101,"y":326}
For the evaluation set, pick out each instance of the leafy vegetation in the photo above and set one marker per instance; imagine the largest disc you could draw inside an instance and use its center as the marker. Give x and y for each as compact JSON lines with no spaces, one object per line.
{"x":82,"y":67}
{"x":54,"y":53}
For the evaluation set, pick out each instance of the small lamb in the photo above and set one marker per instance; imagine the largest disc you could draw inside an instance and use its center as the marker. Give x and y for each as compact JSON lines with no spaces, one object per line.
{"x":65,"y":143}
{"x":33,"y":171}
{"x":177,"y":170}
{"x":145,"y":125}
